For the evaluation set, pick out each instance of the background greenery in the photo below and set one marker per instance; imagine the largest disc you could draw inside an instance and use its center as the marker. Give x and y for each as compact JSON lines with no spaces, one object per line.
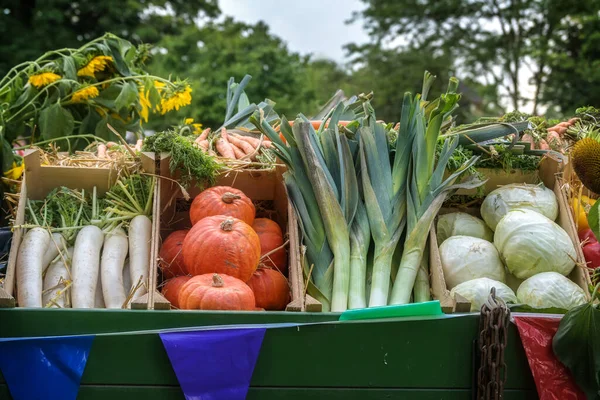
{"x":486,"y":43}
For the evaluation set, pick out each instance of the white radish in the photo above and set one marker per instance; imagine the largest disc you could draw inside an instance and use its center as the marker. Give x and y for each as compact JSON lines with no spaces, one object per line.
{"x":29,"y":267}
{"x":111,"y":268}
{"x":56,"y":294}
{"x":86,"y":266}
{"x":140,"y":236}
{"x":57,"y":243}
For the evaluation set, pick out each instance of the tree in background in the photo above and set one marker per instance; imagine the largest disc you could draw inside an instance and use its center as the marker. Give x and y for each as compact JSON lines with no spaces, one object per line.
{"x":209,"y":55}
{"x":32,"y":27}
{"x":574,"y":77}
{"x":493,"y":42}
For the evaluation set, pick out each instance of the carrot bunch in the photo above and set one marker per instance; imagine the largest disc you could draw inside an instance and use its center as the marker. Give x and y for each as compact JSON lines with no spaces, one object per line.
{"x":554,"y":137}
{"x":231,"y":145}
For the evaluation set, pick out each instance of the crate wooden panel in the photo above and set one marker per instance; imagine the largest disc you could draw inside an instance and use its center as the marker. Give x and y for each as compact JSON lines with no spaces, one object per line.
{"x":550,"y":173}
{"x":258,"y":185}
{"x":38,"y":181}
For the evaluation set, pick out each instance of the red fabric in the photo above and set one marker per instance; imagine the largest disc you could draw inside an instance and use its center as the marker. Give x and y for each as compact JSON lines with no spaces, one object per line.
{"x":552,"y":379}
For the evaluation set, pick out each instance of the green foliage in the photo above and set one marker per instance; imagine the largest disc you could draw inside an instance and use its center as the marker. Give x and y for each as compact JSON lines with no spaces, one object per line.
{"x":189,"y":160}
{"x":31,"y":28}
{"x":495,"y":42}
{"x":210,"y":55}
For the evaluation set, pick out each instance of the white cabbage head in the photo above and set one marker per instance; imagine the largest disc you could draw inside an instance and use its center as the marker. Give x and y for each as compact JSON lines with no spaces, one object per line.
{"x":550,"y":290}
{"x":462,"y":224}
{"x":530,"y":243}
{"x":465,"y":258}
{"x":518,"y":196}
{"x":478,"y":290}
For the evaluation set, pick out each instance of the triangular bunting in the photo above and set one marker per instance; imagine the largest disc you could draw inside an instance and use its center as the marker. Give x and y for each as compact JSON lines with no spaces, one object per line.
{"x":215,"y":364}
{"x":44,"y":368}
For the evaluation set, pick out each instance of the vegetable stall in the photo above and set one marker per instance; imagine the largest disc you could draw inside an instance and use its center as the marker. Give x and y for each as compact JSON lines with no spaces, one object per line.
{"x":339,"y":256}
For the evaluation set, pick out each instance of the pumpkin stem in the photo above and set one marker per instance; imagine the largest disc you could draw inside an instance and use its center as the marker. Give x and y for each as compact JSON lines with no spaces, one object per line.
{"x":229,"y":197}
{"x":227,"y":225}
{"x":217,"y":281}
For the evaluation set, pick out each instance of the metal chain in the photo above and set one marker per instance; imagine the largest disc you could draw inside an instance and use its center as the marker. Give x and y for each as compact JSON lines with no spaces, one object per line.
{"x":493,"y":324}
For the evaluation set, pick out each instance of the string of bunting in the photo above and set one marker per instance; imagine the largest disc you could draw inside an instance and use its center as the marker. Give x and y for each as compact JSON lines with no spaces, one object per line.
{"x":210,"y":362}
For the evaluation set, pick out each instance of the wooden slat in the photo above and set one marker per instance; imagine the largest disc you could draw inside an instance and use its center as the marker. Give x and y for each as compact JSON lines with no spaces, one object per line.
{"x":404,"y":354}
{"x":87,"y":392}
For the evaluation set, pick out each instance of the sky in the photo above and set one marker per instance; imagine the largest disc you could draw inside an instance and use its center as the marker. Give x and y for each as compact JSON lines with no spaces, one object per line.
{"x":326,"y":31}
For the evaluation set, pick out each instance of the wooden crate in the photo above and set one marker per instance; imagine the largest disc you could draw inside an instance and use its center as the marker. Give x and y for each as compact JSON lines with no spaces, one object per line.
{"x":38,"y":181}
{"x":550,"y":173}
{"x":258,"y":185}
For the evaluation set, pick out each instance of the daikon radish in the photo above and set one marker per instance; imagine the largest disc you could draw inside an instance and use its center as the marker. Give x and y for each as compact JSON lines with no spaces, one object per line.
{"x":56,"y":293}
{"x":57,"y":242}
{"x":86,"y":266}
{"x":29,"y":267}
{"x":140,"y":236}
{"x":111,"y":268}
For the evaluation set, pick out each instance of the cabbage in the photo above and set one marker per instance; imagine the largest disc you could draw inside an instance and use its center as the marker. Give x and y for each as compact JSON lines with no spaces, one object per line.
{"x":550,"y":290}
{"x":462,"y":224}
{"x":530,"y":243}
{"x":510,"y":197}
{"x":464,"y":258}
{"x":478,"y":290}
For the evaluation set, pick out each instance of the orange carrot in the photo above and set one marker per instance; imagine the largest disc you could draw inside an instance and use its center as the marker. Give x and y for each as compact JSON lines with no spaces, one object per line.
{"x":212,"y":153}
{"x":110,"y":144}
{"x":224,"y":148}
{"x":203,"y":144}
{"x":252,"y":141}
{"x":244,"y":146}
{"x":239,"y":154}
{"x":573,"y":120}
{"x":203,"y":135}
{"x":138,"y":145}
{"x":102,"y":151}
{"x":543,"y":145}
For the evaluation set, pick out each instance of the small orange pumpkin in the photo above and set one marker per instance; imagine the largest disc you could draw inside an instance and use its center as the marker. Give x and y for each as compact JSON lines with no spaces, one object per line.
{"x":271,"y":237}
{"x":216,"y":292}
{"x":171,"y":259}
{"x":224,"y":245}
{"x":172,"y":287}
{"x":222,"y":200}
{"x":271,"y":289}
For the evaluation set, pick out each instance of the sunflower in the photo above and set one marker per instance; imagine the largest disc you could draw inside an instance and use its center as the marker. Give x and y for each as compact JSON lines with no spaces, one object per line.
{"x":88,"y":92}
{"x":188,"y":121}
{"x":179,"y":98}
{"x":197,"y":128}
{"x":43,"y":79}
{"x":16,"y":171}
{"x":96,"y":64}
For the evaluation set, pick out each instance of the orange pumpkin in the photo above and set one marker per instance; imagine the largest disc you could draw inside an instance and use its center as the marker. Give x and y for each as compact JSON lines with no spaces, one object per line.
{"x":222,"y":200}
{"x":172,"y":287}
{"x":216,"y":292}
{"x":271,"y":237}
{"x":271,"y":289}
{"x":224,"y":245}
{"x":171,"y":259}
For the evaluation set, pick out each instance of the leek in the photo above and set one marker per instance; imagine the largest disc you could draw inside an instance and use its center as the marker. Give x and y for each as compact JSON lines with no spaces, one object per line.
{"x":426,"y":190}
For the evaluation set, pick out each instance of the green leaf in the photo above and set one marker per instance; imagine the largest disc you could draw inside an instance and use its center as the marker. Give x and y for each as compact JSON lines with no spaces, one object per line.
{"x":55,"y":121}
{"x":7,"y":156}
{"x":128,"y":96}
{"x":105,"y":133}
{"x":594,"y":219}
{"x":69,"y":68}
{"x":115,"y":52}
{"x":577,"y":345}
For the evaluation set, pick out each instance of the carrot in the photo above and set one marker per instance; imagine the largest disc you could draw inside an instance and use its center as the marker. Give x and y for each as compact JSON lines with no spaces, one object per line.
{"x":102,"y":151}
{"x":528,"y":138}
{"x":543,"y":145}
{"x":564,"y":124}
{"x":250,"y":140}
{"x":203,"y":144}
{"x":111,"y":144}
{"x":239,"y":154}
{"x":224,"y":147}
{"x":138,"y":145}
{"x":203,"y":135}
{"x":212,"y":153}
{"x":573,"y":120}
{"x":246,"y":147}
{"x":561,"y":130}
